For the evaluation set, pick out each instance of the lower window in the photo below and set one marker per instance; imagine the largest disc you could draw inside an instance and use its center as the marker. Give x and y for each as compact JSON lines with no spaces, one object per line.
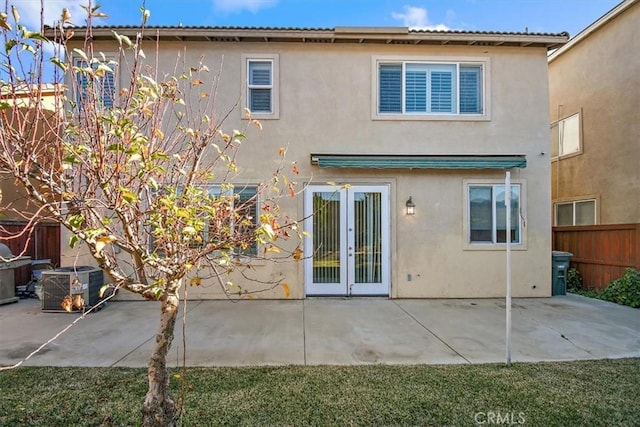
{"x":487,"y":214}
{"x":243,"y":201}
{"x":577,"y":212}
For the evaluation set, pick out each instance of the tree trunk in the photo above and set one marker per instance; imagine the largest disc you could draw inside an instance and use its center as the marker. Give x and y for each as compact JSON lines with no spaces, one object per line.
{"x":159,"y":409}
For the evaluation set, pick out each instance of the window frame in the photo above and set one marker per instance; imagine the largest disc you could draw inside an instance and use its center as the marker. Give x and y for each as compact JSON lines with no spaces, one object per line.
{"x":274,"y":59}
{"x":556,"y":143}
{"x":78,"y":86}
{"x":467,"y":243}
{"x":573,"y":202}
{"x":458,"y":61}
{"x":218,"y":190}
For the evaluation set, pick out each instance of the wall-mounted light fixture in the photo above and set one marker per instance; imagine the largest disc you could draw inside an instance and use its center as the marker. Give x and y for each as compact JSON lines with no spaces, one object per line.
{"x":411,"y":207}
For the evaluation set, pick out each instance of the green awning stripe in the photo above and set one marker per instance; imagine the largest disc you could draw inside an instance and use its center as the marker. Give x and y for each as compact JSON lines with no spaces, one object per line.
{"x":420,"y":162}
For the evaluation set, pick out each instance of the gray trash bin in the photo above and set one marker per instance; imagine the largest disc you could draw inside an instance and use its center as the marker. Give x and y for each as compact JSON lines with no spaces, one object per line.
{"x":559,"y":269}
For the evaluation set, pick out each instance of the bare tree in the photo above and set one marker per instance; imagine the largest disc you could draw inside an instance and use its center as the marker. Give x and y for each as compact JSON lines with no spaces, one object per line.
{"x":129,"y":172}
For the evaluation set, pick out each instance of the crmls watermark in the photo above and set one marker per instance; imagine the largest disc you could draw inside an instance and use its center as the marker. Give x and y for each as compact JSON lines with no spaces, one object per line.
{"x":499,"y":418}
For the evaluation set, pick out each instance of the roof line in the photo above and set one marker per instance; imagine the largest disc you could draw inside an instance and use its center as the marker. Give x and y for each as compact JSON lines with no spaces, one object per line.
{"x":592,"y":28}
{"x":395,"y":35}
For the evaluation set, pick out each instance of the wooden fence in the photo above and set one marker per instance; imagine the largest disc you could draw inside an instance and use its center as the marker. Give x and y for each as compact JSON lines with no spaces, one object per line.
{"x":42,"y":243}
{"x":601,"y":253}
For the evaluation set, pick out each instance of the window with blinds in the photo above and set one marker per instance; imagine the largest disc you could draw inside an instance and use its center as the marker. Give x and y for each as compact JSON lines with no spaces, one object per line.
{"x":260,"y":86}
{"x":94,"y":87}
{"x":487,"y":214}
{"x":430,"y":88}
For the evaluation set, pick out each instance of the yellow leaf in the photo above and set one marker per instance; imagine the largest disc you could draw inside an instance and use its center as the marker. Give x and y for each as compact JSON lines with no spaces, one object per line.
{"x":286,"y":290}
{"x":249,"y":296}
{"x":3,"y":22}
{"x":16,"y":15}
{"x":103,"y":289}
{"x":273,"y":249}
{"x":66,"y":16}
{"x":177,"y":376}
{"x":108,"y":239}
{"x":195,"y":281}
{"x":188,"y":230}
{"x":281,"y":151}
{"x":100,"y":246}
{"x":297,"y":254}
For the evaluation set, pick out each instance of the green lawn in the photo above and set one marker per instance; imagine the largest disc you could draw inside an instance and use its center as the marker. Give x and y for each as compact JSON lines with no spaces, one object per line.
{"x":593,"y":393}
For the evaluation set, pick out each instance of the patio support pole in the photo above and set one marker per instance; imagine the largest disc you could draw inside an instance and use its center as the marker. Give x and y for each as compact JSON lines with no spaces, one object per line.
{"x":507,"y":202}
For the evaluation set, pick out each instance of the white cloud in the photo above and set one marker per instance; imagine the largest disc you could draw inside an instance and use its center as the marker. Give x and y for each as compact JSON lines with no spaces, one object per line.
{"x":252,"y":6}
{"x":417,"y":18}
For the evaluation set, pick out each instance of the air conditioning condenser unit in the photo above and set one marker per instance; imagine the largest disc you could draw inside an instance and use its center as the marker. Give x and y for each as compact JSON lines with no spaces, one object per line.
{"x":82,"y":281}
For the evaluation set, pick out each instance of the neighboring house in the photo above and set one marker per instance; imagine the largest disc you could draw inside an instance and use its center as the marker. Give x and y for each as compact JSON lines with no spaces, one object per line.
{"x":427,"y":120}
{"x":17,"y":209}
{"x":594,"y":93}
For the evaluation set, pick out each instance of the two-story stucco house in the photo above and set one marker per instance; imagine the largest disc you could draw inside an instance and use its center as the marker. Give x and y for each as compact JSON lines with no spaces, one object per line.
{"x":422,"y":125}
{"x":594,"y":88}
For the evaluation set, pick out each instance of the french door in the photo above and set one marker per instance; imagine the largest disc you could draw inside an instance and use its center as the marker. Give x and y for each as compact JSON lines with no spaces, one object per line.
{"x":347,"y":252}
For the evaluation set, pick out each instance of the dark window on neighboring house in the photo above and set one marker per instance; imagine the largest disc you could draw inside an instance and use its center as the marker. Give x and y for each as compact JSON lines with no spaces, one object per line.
{"x":577,"y":212}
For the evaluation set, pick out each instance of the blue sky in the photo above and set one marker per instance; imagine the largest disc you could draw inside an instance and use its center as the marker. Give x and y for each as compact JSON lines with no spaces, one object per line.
{"x":550,"y":16}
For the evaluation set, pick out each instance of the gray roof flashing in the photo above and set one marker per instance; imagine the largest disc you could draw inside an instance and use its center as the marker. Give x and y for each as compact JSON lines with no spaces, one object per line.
{"x":353,"y":35}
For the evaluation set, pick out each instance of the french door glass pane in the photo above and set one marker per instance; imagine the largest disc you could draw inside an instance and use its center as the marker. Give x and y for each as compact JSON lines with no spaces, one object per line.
{"x":326,"y":237}
{"x":368,"y":237}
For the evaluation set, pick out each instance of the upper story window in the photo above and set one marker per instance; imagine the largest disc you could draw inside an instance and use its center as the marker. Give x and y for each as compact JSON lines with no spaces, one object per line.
{"x":261,"y":77}
{"x":566,"y":137}
{"x":430,"y":88}
{"x":260,"y":86}
{"x":96,"y":86}
{"x":576,"y":212}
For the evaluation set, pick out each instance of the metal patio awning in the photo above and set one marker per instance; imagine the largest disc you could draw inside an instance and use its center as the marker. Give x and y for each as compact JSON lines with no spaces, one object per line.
{"x":457,"y":161}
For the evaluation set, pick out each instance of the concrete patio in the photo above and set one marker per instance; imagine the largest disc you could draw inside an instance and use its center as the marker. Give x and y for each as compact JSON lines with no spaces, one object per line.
{"x":327,"y":331}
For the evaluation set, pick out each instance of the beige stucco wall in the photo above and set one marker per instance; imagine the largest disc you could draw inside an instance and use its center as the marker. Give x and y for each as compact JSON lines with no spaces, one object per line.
{"x":600,"y":77}
{"x":325,"y":107}
{"x":15,"y":205}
